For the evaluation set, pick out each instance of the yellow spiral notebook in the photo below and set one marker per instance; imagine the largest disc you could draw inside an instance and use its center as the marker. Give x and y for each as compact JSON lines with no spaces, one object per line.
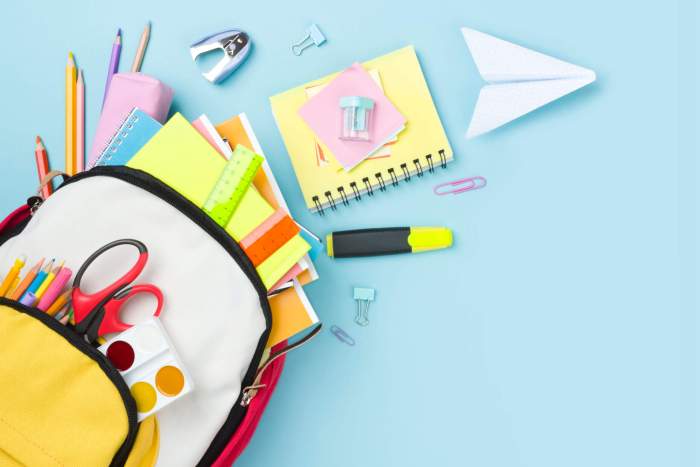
{"x":421,"y":147}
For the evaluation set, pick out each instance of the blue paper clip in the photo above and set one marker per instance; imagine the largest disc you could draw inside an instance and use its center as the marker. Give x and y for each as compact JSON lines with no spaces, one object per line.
{"x":460,"y":186}
{"x":342,"y":335}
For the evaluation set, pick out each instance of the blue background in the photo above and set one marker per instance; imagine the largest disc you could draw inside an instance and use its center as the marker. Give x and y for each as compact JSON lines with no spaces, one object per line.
{"x":561,"y":327}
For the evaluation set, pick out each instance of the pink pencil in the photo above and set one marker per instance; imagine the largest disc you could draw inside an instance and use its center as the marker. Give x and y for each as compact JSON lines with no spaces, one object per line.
{"x":80,"y":124}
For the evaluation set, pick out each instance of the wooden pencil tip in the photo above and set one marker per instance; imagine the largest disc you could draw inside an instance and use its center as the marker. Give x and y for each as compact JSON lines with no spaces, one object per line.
{"x":71,"y":59}
{"x":38,"y":139}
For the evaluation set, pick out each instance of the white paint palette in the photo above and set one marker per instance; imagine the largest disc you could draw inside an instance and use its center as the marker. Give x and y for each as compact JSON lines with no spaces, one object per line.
{"x":146,"y":359}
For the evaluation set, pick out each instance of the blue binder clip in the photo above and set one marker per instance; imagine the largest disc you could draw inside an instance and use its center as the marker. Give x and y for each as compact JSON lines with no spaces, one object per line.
{"x":314,"y":34}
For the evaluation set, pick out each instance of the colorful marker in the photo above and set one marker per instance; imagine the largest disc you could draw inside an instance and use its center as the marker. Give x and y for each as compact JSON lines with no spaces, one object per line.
{"x":55,"y":289}
{"x":387,"y":241}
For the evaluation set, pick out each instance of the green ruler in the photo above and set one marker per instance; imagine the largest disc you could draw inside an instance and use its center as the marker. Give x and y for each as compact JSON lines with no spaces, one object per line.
{"x":232,"y":185}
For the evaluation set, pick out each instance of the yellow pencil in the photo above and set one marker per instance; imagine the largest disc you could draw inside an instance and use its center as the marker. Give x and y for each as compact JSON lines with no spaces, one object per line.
{"x":59,"y":303}
{"x":70,"y":114}
{"x":47,"y":282}
{"x":138,"y":59}
{"x":14,"y":285}
{"x":12,"y":275}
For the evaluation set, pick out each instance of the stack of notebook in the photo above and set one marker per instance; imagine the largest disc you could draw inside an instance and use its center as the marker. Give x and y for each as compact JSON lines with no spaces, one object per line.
{"x":190,"y":158}
{"x":419,"y":148}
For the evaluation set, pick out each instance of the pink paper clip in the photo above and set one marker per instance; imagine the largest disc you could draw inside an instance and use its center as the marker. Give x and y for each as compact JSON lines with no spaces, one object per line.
{"x":460,"y":186}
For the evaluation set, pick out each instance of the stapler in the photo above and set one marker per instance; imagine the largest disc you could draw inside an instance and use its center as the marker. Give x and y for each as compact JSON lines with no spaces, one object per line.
{"x":236,"y":46}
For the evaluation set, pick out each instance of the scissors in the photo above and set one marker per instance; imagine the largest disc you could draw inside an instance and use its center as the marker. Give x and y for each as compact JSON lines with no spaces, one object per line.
{"x":97,"y":314}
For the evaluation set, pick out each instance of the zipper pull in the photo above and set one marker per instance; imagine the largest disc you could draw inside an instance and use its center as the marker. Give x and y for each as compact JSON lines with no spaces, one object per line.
{"x":250,"y":391}
{"x":34,"y":203}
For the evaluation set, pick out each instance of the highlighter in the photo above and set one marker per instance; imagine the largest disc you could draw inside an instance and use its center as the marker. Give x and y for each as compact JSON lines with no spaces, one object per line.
{"x":387,"y":241}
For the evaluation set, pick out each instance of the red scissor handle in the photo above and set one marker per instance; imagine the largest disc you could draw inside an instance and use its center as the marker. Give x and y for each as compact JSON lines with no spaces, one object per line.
{"x":111,"y":321}
{"x":87,"y":305}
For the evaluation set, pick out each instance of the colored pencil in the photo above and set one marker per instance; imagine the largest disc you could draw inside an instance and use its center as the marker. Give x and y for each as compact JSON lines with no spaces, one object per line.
{"x":40,"y":277}
{"x":143,"y":43}
{"x":64,"y":319}
{"x":42,"y":166}
{"x":113,"y":62}
{"x":48,"y":281}
{"x":24,"y":284}
{"x":80,"y":123}
{"x":70,"y":115}
{"x":59,"y":303}
{"x":55,"y":289}
{"x":12,"y":275}
{"x":14,"y":285}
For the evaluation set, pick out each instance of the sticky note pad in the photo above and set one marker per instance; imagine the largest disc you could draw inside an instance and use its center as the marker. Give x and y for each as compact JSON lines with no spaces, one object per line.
{"x":180,"y":157}
{"x":281,"y":261}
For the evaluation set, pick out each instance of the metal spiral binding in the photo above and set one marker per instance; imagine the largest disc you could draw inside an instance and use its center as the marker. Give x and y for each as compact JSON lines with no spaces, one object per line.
{"x":419,"y":168}
{"x":355,"y":191}
{"x":443,"y":158}
{"x":343,"y":196}
{"x":381,"y":182}
{"x":431,"y":167}
{"x":329,"y":196}
{"x":380,"y":179}
{"x":368,"y":186}
{"x":406,"y":173}
{"x":394,"y":179}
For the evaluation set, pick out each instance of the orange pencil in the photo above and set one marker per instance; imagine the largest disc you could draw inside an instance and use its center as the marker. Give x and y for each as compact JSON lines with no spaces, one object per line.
{"x":80,"y":123}
{"x":59,"y":303}
{"x":42,"y":166}
{"x":143,"y":43}
{"x":70,"y":115}
{"x":14,"y":285}
{"x":31,"y":275}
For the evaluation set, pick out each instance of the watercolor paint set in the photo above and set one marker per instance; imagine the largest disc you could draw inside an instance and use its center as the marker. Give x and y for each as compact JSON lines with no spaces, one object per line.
{"x":146,"y":359}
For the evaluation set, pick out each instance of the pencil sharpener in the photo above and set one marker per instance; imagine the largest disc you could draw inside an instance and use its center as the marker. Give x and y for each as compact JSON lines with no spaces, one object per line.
{"x":236,"y":46}
{"x":356,"y":123}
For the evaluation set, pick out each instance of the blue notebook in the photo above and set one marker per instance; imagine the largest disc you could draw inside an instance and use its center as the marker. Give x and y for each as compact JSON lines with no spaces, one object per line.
{"x":136,"y":130}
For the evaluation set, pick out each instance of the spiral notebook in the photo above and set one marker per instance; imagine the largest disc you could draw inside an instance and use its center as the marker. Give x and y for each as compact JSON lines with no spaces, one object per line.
{"x":137,"y":128}
{"x":422,"y":147}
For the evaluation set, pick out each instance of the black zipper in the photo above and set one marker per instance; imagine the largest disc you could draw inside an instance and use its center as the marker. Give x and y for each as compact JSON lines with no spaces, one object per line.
{"x":77,"y":341}
{"x":159,"y":189}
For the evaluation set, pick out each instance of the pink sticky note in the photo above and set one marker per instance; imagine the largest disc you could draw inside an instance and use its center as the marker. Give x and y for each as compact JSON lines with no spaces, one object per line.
{"x":323,"y":114}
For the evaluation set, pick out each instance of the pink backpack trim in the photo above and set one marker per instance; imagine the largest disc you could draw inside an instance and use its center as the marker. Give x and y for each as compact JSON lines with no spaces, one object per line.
{"x":257,"y":406}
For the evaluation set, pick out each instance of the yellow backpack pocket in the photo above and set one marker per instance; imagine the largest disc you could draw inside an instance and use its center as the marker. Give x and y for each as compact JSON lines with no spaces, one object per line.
{"x":61,"y":402}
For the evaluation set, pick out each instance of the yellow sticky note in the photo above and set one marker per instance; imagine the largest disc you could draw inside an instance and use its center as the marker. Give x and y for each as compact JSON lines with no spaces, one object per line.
{"x":280,"y":262}
{"x":181,"y":158}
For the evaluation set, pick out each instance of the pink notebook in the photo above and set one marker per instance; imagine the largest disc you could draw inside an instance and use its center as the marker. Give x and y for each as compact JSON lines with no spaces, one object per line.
{"x":322,"y":114}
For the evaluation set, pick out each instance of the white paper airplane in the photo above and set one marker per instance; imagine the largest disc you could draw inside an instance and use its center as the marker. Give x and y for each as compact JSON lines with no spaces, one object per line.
{"x":519,"y":80}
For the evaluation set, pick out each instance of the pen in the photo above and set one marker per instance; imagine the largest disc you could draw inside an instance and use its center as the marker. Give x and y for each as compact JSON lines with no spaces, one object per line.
{"x":387,"y":241}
